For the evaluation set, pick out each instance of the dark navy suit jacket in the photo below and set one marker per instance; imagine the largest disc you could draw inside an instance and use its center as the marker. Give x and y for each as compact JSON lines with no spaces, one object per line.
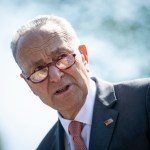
{"x":127,"y":104}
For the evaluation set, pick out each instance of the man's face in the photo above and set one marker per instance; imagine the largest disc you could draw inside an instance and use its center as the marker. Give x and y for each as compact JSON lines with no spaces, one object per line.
{"x":63,"y":90}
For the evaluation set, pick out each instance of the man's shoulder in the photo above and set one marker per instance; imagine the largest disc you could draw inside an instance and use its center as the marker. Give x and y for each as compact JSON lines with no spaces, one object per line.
{"x":49,"y":138}
{"x":133,"y":90}
{"x":109,"y":93}
{"x":134,"y":84}
{"x":129,"y":85}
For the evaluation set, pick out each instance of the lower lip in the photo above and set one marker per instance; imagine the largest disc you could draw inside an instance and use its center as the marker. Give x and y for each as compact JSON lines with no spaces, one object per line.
{"x":66,"y":92}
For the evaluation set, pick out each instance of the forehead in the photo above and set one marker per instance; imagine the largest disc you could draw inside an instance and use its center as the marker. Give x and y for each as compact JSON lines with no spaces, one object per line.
{"x":37,"y":40}
{"x":39,"y":44}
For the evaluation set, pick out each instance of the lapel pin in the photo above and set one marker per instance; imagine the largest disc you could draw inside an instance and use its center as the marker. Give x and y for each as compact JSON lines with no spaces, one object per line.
{"x":108,"y":121}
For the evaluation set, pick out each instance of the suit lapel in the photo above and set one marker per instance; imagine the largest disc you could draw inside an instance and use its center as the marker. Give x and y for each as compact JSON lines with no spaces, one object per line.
{"x":104,"y":118}
{"x":60,"y":137}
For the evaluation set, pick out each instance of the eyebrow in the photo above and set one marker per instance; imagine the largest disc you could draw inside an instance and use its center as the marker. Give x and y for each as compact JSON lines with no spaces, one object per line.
{"x":53,"y":53}
{"x":60,"y":50}
{"x":37,"y":64}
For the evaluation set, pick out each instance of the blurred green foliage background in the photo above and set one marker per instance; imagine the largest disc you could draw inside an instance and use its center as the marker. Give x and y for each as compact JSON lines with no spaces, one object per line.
{"x":117,"y":34}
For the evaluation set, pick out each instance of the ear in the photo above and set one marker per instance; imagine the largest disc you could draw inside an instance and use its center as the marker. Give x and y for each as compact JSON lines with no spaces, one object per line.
{"x":22,"y":77}
{"x":27,"y":81}
{"x":83,"y":50}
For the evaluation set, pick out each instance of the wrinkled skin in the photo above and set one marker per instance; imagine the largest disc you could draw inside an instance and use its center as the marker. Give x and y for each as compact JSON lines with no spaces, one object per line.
{"x":40,"y":48}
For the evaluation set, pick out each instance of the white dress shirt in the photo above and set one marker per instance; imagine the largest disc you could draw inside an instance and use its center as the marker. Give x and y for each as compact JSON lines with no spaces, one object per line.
{"x":85,"y":116}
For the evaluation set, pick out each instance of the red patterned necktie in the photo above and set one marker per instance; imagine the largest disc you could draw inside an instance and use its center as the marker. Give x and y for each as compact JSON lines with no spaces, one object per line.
{"x":75,"y":129}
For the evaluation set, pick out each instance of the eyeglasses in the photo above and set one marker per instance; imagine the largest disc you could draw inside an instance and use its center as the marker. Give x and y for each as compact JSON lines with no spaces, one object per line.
{"x":64,"y":63}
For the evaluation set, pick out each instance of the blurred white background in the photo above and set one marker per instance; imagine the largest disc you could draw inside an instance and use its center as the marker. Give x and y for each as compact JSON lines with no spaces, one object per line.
{"x":116,"y":34}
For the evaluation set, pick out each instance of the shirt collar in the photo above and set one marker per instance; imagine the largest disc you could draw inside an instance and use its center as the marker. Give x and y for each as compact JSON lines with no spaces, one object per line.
{"x":86,"y":112}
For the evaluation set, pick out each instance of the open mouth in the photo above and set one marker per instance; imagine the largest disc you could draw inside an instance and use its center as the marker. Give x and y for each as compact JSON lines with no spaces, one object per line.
{"x":62,"y":90}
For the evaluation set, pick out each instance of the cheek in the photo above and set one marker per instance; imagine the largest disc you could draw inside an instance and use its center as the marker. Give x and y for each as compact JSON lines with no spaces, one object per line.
{"x":80,"y":75}
{"x":82,"y":72}
{"x":39,"y":89}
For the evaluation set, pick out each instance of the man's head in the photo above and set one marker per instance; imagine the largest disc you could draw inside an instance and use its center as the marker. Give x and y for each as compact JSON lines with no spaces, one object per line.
{"x":53,"y":63}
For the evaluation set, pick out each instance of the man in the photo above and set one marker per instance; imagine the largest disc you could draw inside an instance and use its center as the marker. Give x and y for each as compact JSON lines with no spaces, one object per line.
{"x":55,"y":66}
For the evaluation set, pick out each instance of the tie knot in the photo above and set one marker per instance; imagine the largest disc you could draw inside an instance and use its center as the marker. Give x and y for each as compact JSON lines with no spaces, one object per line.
{"x":75,"y":128}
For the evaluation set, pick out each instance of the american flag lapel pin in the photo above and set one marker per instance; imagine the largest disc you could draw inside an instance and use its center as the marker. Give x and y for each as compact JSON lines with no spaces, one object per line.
{"x":108,"y":121}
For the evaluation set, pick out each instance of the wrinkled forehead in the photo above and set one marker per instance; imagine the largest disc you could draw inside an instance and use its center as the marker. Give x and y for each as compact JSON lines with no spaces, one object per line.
{"x":38,"y":39}
{"x":41,"y":40}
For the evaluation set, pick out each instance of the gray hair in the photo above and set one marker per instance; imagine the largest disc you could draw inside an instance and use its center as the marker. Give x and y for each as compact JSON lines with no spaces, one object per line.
{"x":54,"y":23}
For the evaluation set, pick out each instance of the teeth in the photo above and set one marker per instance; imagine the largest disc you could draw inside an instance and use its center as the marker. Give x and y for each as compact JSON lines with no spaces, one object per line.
{"x":62,"y":90}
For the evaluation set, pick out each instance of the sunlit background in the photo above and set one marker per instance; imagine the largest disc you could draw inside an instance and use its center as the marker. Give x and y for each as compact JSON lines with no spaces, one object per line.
{"x":117,"y":34}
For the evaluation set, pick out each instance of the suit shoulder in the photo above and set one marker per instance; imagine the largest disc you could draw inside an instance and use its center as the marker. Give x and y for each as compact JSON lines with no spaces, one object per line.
{"x":138,"y":90}
{"x":48,"y":139}
{"x":135,"y":83}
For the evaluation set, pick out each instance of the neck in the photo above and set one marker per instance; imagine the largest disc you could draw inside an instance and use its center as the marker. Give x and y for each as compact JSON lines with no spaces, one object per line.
{"x":72,"y":113}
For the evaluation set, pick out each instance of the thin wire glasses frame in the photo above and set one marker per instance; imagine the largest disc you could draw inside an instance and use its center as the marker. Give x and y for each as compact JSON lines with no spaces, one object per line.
{"x":64,"y":63}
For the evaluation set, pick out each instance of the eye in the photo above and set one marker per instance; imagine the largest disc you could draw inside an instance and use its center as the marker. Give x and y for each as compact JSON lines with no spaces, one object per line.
{"x":38,"y":68}
{"x":61,"y":56}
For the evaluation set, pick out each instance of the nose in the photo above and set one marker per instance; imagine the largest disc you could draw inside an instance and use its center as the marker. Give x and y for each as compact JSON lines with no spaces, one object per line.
{"x":55,"y":74}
